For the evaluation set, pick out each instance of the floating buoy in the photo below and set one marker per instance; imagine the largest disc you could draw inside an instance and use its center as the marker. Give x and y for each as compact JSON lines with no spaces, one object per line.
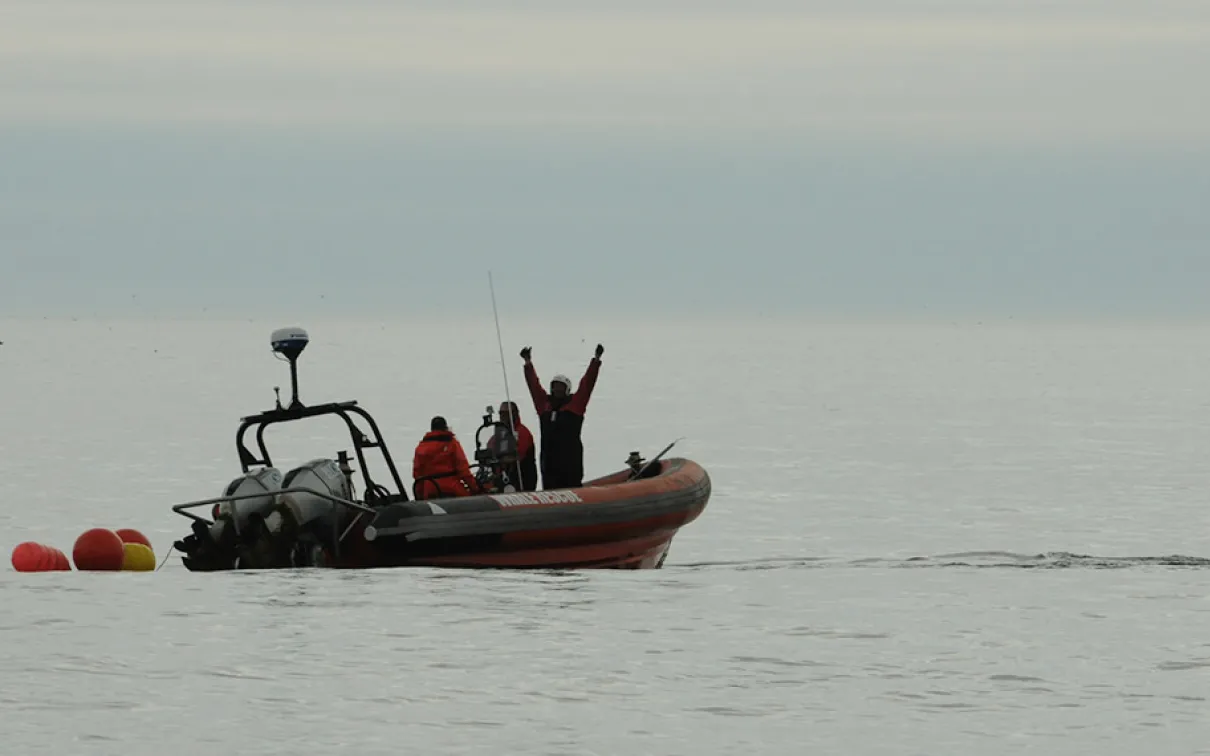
{"x":98,"y":549}
{"x":61,"y":562}
{"x":31,"y":557}
{"x":130,"y":535}
{"x":37,"y":557}
{"x":138,"y":558}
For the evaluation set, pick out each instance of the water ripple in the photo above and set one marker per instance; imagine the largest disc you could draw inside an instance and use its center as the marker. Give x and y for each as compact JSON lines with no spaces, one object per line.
{"x":977,"y":559}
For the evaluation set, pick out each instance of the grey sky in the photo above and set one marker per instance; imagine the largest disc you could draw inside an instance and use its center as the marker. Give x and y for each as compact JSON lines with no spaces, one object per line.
{"x":933,"y":157}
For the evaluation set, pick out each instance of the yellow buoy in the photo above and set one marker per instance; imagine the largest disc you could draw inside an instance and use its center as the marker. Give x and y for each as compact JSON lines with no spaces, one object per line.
{"x":137,"y":558}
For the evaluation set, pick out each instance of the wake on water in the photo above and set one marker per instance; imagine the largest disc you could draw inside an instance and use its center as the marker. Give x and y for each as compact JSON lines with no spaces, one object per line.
{"x":977,"y":559}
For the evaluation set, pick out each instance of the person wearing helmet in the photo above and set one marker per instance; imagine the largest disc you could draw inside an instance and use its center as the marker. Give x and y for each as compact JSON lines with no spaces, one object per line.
{"x":510,"y":418}
{"x":561,"y":419}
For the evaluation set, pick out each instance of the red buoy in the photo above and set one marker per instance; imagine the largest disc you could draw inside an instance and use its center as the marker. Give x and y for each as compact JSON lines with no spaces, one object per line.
{"x":31,"y":557}
{"x":130,"y":535}
{"x":98,"y":549}
{"x":37,"y":557}
{"x":60,"y":559}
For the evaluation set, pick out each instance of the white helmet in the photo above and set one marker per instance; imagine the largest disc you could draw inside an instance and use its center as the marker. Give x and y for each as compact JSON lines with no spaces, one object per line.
{"x":560,"y":378}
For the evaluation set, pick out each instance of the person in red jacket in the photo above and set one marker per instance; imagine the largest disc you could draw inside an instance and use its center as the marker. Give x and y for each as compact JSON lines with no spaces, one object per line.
{"x":440,"y":453}
{"x":561,"y":418}
{"x":510,"y":417}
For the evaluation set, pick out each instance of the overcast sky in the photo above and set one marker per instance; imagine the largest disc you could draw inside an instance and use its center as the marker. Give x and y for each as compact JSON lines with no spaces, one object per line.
{"x":866,"y":157}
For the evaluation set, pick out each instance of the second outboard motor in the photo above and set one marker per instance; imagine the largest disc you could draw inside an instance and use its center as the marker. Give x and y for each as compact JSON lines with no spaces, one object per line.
{"x":320,"y":475}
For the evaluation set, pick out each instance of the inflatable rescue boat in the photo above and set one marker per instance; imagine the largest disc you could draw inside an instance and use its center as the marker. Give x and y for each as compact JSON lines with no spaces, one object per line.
{"x":310,"y":516}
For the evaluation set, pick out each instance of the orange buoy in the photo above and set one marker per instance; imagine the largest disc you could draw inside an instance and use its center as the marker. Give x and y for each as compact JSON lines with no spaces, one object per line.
{"x":98,"y":549}
{"x":31,"y":557}
{"x":130,"y":535}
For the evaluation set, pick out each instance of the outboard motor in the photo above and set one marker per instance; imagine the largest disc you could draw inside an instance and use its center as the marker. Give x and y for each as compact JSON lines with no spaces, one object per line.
{"x":216,"y":545}
{"x":295,"y":530}
{"x":320,"y":475}
{"x":228,"y":513}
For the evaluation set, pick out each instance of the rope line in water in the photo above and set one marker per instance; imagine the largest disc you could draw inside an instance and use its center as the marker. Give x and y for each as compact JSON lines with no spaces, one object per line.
{"x":166,"y":555}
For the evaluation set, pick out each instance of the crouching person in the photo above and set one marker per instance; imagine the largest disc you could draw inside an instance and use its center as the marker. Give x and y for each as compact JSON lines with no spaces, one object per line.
{"x":439,"y":465}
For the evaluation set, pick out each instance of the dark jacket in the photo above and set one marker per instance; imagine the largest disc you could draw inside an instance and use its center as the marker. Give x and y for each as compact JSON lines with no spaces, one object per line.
{"x":561,"y":422}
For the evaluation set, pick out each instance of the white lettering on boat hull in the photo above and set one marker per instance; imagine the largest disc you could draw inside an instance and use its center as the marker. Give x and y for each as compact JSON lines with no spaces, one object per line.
{"x":529,"y":499}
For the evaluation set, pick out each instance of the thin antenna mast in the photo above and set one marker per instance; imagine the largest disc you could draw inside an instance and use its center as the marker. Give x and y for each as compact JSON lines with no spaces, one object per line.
{"x":512,"y":421}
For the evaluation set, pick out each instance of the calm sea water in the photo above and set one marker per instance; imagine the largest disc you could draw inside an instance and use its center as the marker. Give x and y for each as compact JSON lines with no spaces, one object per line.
{"x":923,"y":539}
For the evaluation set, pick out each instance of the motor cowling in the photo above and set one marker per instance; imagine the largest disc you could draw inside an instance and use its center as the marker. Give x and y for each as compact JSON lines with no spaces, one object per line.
{"x":267,"y":480}
{"x":304,"y":508}
{"x":300,"y":524}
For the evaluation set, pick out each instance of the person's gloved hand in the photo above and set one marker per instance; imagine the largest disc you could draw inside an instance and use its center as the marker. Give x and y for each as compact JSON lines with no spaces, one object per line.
{"x":600,"y":351}
{"x":525,"y":353}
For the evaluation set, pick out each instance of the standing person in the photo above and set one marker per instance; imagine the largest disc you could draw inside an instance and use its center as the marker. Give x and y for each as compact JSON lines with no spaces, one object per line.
{"x":561,"y":418}
{"x":440,"y":453}
{"x":510,"y":417}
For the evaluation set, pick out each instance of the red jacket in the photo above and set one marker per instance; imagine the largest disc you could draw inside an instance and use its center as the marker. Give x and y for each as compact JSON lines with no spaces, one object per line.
{"x":437,"y":453}
{"x":578,"y":404}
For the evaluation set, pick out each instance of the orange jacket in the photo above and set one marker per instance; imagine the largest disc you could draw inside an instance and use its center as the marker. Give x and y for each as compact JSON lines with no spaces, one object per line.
{"x":440,"y":453}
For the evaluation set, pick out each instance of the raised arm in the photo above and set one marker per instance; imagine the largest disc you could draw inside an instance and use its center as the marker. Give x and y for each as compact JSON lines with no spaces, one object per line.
{"x":536,"y":392}
{"x":579,"y":402}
